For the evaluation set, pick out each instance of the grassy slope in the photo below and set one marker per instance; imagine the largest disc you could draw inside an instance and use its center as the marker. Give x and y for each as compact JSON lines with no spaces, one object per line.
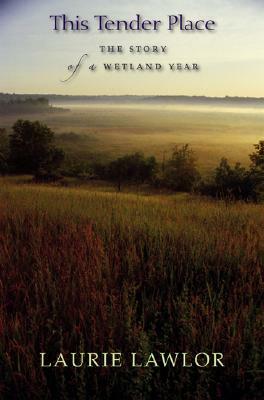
{"x":131,"y":273}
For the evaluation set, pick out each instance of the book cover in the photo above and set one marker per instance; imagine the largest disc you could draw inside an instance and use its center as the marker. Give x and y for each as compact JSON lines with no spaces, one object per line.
{"x":131,"y":200}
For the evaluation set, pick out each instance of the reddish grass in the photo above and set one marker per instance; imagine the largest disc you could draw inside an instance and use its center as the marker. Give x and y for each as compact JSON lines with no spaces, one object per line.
{"x":67,"y":287}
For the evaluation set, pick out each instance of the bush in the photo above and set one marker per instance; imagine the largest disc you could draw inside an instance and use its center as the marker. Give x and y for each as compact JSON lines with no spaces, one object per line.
{"x":257,"y":167}
{"x":238,"y":183}
{"x":132,"y":168}
{"x":32,"y":149}
{"x":45,"y":177}
{"x":3,"y":151}
{"x":180,"y":171}
{"x":231,"y":183}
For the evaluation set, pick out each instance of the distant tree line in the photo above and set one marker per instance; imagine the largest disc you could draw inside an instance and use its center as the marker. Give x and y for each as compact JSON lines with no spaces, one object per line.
{"x":31,"y":149}
{"x":13,"y":105}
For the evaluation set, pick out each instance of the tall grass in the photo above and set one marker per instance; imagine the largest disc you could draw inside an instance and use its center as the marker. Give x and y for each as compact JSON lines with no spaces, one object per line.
{"x":95,"y":271}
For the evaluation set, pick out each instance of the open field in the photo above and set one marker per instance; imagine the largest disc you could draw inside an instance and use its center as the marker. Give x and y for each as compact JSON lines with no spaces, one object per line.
{"x":91,"y":270}
{"x":87,"y":269}
{"x":110,"y":131}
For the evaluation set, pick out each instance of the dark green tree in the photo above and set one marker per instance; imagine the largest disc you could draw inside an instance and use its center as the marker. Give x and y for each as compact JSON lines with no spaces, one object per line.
{"x":32,"y":149}
{"x":4,"y":144}
{"x":231,"y":183}
{"x":257,"y":158}
{"x":134,"y":168}
{"x":257,"y":167}
{"x":180,"y":172}
{"x":235,"y":183}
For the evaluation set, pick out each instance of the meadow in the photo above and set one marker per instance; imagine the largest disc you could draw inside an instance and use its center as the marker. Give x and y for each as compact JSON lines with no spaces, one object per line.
{"x":85,"y":268}
{"x":106,"y":132}
{"x":88,"y":269}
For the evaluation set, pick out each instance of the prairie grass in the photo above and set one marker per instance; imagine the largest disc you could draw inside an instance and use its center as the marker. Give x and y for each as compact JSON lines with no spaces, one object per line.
{"x":91,"y":270}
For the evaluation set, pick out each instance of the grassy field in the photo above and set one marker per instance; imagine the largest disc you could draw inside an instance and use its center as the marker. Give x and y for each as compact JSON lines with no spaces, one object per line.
{"x":86,"y":269}
{"x":107,"y":132}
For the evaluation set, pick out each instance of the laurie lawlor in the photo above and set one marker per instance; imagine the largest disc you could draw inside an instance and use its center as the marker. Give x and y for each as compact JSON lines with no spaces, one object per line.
{"x":135,"y":360}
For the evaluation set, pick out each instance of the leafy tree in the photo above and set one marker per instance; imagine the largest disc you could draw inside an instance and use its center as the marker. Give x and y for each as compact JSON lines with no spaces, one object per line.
{"x":257,"y":158}
{"x":3,"y":151}
{"x":257,"y":166}
{"x":32,"y":149}
{"x":232,"y":183}
{"x":236,"y":183}
{"x":132,"y":168}
{"x":180,"y":172}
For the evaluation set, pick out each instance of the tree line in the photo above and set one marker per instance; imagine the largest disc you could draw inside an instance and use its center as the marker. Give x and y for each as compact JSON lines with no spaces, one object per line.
{"x":31,"y":149}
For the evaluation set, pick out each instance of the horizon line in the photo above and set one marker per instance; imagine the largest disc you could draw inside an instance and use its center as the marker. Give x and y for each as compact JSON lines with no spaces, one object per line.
{"x":132,"y":95}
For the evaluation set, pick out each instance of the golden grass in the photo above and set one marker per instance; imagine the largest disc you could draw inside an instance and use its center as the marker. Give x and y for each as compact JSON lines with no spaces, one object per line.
{"x":92,"y":270}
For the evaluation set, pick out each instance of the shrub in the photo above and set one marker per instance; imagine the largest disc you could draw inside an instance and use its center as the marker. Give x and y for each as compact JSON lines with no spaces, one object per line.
{"x":32,"y":148}
{"x":238,"y":183}
{"x":3,"y":151}
{"x":132,"y":168}
{"x":257,"y":167}
{"x":180,"y":171}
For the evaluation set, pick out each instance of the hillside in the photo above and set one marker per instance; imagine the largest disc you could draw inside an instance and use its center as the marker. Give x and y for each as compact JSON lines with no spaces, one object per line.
{"x":153,"y":273}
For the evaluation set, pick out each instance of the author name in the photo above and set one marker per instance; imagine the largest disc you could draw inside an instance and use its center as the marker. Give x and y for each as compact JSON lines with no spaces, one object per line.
{"x":135,"y":360}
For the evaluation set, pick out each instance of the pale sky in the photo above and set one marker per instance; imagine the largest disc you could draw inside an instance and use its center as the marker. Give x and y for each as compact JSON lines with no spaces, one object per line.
{"x":34,"y":58}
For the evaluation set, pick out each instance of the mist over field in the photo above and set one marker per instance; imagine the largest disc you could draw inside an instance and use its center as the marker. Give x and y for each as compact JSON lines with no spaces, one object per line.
{"x":113,"y":126}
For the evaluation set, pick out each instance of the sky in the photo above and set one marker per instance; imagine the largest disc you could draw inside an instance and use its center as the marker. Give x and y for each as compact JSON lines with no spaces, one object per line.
{"x":35,"y":59}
